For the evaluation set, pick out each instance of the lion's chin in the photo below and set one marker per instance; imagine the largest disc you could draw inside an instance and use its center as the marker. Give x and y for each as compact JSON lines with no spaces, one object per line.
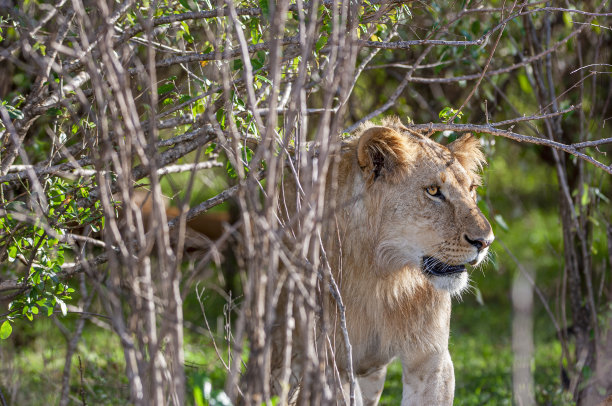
{"x":450,"y":278}
{"x":454,"y":284}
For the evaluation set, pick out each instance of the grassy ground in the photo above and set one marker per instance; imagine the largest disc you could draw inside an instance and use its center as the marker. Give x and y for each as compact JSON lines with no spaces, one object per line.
{"x":32,"y":361}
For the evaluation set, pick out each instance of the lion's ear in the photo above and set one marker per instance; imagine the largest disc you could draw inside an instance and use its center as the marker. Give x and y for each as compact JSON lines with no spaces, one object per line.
{"x":468,"y":152}
{"x":382,"y":152}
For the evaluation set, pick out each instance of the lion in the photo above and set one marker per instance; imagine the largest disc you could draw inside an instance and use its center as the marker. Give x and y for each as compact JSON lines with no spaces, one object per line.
{"x":405,"y":226}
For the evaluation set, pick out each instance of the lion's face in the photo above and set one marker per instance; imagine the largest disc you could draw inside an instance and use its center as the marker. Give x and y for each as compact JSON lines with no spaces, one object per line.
{"x":424,"y":195}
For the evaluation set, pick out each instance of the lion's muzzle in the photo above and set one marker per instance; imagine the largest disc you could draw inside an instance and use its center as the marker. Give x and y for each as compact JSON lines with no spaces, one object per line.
{"x":433,"y":266}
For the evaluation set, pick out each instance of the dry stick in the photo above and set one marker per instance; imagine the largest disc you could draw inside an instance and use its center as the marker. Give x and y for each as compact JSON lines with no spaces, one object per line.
{"x":23,"y":124}
{"x":335,"y":292}
{"x":193,"y":15}
{"x":479,"y":41}
{"x":393,"y":97}
{"x":200,"y":297}
{"x":244,"y":52}
{"x":595,"y":143}
{"x":50,"y":61}
{"x":77,"y":172}
{"x":9,"y":285}
{"x":8,"y":52}
{"x":275,"y":162}
{"x":41,"y":203}
{"x":201,"y":15}
{"x":81,"y":388}
{"x":215,"y":56}
{"x":71,"y":348}
{"x":113,"y":303}
{"x":586,"y":263}
{"x":70,"y":166}
{"x":537,"y":117}
{"x":172,"y":326}
{"x":120,"y":12}
{"x":408,"y":44}
{"x":510,"y":68}
{"x":489,"y":129}
{"x":484,"y":71}
{"x":165,"y":158}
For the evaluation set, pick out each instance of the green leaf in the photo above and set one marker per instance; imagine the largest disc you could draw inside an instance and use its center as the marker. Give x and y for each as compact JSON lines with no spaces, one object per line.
{"x":265,"y":8}
{"x":567,"y":20}
{"x":448,"y":112}
{"x":585,"y":198}
{"x":255,"y":35}
{"x":257,"y":63}
{"x":210,"y":148}
{"x":198,"y":396}
{"x":185,"y":3}
{"x":596,"y":27}
{"x":321,"y":43}
{"x":186,"y":34}
{"x":12,"y":253}
{"x":165,"y":88}
{"x":13,"y":112}
{"x":475,"y":27}
{"x":183,"y":98}
{"x":237,"y":64}
{"x":220,"y":115}
{"x":263,"y":79}
{"x":231,"y":172}
{"x":524,"y":83}
{"x":54,"y":111}
{"x":5,"y":330}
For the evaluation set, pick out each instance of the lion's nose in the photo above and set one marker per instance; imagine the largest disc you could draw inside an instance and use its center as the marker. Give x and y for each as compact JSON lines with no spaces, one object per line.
{"x":479,"y":243}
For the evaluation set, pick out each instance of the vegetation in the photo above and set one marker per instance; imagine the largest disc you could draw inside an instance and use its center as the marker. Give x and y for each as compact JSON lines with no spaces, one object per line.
{"x":128,"y":128}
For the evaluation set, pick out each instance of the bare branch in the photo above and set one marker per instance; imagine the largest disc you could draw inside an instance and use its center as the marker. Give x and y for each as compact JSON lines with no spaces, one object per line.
{"x":489,"y":129}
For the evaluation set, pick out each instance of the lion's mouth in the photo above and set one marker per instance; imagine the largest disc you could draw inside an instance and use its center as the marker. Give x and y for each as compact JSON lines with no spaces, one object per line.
{"x":435,"y":267}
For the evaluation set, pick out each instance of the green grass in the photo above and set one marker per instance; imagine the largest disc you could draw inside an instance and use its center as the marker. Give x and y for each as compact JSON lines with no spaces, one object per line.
{"x":480,"y":345}
{"x":33,"y":362}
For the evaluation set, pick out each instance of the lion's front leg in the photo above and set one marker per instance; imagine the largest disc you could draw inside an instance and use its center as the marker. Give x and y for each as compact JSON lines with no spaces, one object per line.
{"x":372,"y":385}
{"x":428,"y":379}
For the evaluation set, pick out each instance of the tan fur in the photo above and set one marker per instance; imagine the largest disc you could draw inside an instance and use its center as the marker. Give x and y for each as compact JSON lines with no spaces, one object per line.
{"x":383,"y":226}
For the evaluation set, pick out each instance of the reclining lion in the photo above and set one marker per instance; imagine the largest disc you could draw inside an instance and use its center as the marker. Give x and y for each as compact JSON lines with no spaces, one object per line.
{"x":405,"y":226}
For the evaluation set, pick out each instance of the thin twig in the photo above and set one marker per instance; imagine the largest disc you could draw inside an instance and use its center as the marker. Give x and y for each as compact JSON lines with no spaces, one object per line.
{"x":536,"y":117}
{"x":513,"y":136}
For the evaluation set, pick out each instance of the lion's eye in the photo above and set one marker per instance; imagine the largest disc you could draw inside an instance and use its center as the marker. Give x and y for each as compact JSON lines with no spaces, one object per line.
{"x":433,"y":191}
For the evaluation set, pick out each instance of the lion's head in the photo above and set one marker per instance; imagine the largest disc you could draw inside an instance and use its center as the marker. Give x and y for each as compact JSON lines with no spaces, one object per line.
{"x":420,"y":197}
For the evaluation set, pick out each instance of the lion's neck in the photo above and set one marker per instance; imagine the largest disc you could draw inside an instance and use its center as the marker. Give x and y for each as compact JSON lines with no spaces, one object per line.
{"x":401,"y":309}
